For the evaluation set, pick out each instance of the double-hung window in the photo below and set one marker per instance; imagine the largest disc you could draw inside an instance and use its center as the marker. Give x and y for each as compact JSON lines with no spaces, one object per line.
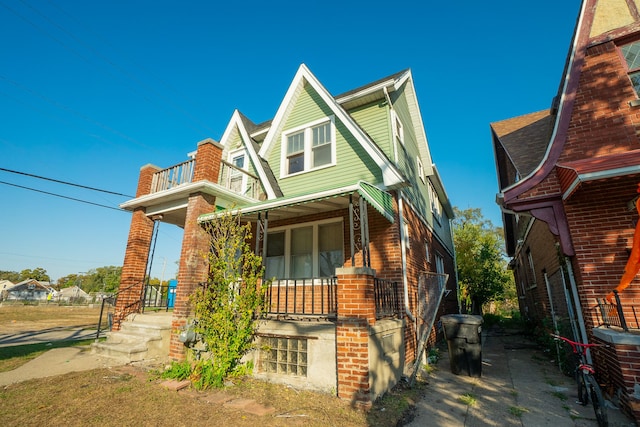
{"x":631,"y":54}
{"x":309,"y":147}
{"x":305,"y":251}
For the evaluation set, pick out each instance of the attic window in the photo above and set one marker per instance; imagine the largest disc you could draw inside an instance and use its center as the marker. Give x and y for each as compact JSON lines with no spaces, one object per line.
{"x":309,"y":147}
{"x":631,"y":54}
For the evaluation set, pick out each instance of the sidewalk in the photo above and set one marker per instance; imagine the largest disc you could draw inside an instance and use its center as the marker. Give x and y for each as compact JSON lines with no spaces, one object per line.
{"x":520,"y":386}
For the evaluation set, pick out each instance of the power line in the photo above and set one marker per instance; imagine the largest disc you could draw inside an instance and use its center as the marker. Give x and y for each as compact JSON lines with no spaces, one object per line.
{"x":63,"y":197}
{"x":66,"y":183}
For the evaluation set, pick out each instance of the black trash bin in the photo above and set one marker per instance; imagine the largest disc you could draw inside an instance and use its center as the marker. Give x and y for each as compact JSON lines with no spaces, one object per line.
{"x":464,"y":340}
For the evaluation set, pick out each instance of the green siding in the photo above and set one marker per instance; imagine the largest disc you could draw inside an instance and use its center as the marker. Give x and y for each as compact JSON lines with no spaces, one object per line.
{"x":352,"y":161}
{"x":374,"y":120}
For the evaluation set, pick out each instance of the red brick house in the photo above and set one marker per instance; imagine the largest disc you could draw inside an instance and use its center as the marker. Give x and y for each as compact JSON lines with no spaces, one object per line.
{"x":349,"y":215}
{"x":568,"y":177}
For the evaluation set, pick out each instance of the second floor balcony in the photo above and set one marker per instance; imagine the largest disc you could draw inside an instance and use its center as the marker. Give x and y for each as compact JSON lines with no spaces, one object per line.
{"x":171,"y":187}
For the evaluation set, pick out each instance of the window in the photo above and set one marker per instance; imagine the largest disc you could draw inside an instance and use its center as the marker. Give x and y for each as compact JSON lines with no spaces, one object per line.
{"x":532,"y":271}
{"x":436,"y":206}
{"x":237,"y":179}
{"x":440,"y":269}
{"x":398,"y":130}
{"x":309,"y":147}
{"x":420,"y":168}
{"x":284,"y":355}
{"x":305,"y":251}
{"x":427,"y":252}
{"x":631,"y":54}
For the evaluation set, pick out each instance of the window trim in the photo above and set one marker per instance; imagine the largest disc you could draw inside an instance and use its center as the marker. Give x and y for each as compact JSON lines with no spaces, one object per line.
{"x":630,"y":71}
{"x":307,"y":129}
{"x":397,"y":126}
{"x":420,"y":168}
{"x":315,"y":248}
{"x":233,"y":154}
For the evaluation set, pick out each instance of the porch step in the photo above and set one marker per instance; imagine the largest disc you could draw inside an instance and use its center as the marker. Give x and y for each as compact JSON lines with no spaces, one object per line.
{"x":141,"y":337}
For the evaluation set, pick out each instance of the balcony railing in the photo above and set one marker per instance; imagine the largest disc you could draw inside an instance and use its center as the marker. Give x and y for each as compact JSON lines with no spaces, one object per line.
{"x":302,"y":297}
{"x":169,"y":178}
{"x":231,"y":177}
{"x":614,"y":315}
{"x":240,"y":181}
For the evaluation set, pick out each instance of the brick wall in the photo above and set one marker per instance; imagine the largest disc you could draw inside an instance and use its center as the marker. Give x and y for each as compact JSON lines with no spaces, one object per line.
{"x":136,"y":254}
{"x":356,"y":313}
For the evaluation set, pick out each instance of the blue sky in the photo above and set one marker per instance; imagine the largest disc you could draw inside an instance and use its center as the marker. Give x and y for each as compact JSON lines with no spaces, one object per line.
{"x":92,"y":91}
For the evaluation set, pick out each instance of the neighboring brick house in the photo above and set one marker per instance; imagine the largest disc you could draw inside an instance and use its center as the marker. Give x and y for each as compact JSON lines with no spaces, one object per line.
{"x":349,"y":215}
{"x":568,"y":179}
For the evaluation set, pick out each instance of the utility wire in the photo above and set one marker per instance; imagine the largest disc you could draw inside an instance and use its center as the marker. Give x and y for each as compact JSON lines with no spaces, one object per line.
{"x":64,"y":182}
{"x":63,"y":197}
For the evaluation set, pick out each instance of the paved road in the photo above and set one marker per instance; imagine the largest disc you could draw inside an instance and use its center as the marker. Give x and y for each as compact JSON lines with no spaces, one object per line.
{"x":519,"y":386}
{"x":47,"y":335}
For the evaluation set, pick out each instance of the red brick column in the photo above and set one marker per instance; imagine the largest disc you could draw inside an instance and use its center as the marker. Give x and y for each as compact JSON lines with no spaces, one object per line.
{"x":356,"y":313}
{"x":195,"y":242}
{"x":136,"y":254}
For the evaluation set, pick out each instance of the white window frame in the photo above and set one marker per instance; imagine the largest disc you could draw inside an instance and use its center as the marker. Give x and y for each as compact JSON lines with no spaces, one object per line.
{"x":434,"y":201}
{"x":232,"y":172}
{"x":307,"y":130}
{"x":315,"y":245}
{"x":420,"y":168}
{"x":397,"y":126}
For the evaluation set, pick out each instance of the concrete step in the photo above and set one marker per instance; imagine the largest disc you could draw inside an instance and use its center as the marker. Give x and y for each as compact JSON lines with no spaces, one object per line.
{"x":141,"y":337}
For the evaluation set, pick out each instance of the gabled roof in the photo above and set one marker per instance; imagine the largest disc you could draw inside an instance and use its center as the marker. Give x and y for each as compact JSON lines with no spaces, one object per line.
{"x":392,"y":177}
{"x":525,"y":139}
{"x":244,"y":126}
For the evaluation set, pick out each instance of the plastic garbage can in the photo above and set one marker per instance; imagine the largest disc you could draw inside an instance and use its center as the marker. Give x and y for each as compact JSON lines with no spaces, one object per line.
{"x":464,"y":340}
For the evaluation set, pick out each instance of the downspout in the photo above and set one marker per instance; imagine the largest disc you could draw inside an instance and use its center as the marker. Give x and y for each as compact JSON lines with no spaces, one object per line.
{"x":403,"y":256}
{"x":395,"y":145}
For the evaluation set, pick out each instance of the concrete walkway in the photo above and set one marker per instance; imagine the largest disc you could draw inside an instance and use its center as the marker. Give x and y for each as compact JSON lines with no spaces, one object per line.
{"x":519,"y":386}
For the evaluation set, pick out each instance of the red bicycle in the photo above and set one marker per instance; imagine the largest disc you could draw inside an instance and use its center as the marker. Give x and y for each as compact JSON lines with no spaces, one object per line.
{"x":588,"y":387}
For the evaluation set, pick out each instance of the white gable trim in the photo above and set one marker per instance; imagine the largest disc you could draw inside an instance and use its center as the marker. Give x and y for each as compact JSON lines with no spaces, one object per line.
{"x":391,"y":175}
{"x":255,"y":159}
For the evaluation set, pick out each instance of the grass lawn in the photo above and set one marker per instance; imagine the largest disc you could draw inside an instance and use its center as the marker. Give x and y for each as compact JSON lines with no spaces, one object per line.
{"x":131,"y":395}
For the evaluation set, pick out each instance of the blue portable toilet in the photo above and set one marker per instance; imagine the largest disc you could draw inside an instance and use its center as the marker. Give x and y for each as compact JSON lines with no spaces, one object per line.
{"x":171,"y":298}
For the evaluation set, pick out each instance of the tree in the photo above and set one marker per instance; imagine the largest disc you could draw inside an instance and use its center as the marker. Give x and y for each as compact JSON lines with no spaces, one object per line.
{"x":228,"y":307}
{"x":482,"y":267}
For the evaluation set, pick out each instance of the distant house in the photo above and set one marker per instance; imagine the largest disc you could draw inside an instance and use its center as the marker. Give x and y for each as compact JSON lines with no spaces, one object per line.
{"x":28,"y":290}
{"x":4,"y":286}
{"x":73,"y":294}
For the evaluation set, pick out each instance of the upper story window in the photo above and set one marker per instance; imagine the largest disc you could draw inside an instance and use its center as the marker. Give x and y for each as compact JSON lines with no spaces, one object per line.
{"x":309,"y":147}
{"x":420,"y":168}
{"x":398,"y":130}
{"x":237,"y":179}
{"x":631,"y":53}
{"x":436,"y":206}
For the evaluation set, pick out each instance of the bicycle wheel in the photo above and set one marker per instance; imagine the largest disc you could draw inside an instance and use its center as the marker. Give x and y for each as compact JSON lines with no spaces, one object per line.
{"x":583,"y":392}
{"x":597,"y":401}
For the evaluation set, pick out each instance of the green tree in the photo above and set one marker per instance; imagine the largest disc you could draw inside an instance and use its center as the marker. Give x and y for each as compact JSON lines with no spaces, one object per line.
{"x":228,"y":307}
{"x":482,"y":266}
{"x":12,"y":276}
{"x":39,"y":274}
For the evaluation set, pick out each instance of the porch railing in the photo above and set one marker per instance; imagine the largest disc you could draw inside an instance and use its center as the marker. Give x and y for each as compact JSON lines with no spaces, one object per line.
{"x":169,"y":178}
{"x":388,"y":302}
{"x":614,"y":314}
{"x":158,"y":297}
{"x":302,"y":297}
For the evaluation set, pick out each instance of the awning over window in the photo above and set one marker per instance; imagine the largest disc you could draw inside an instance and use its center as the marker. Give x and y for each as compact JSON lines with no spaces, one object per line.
{"x":315,"y":203}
